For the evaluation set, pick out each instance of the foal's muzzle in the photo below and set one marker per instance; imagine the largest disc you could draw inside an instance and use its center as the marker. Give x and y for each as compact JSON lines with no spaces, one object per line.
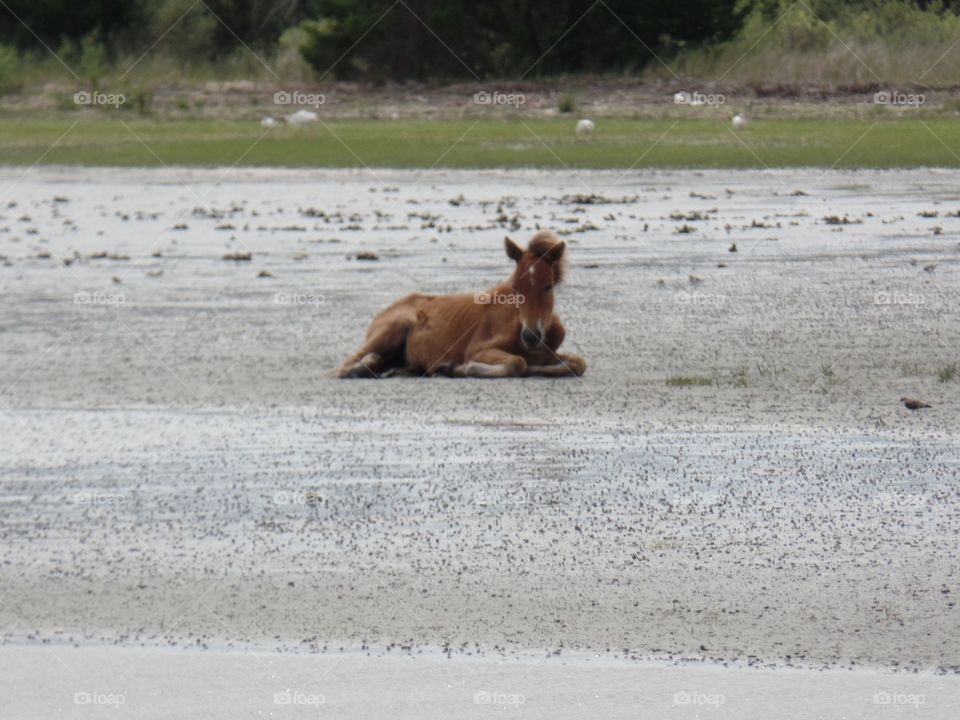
{"x":530,"y":338}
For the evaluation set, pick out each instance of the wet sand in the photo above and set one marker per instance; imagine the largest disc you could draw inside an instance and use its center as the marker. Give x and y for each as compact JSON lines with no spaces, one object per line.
{"x":180,"y":468}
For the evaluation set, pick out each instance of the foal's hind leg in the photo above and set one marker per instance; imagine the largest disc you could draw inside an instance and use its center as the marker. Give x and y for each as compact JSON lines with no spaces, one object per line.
{"x":385,"y":344}
{"x":362,"y":365}
{"x":382,"y":350}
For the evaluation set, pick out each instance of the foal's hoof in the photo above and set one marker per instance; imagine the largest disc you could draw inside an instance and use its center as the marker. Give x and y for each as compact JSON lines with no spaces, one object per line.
{"x":446,"y":369}
{"x":576,"y":365}
{"x":359,"y":370}
{"x":366,"y":367}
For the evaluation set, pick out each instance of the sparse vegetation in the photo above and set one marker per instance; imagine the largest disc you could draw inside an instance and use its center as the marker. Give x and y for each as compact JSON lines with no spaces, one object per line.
{"x":689,"y":381}
{"x":829,"y":376}
{"x":769,"y":369}
{"x":949,"y":372}
{"x":740,"y":378}
{"x":913,"y":370}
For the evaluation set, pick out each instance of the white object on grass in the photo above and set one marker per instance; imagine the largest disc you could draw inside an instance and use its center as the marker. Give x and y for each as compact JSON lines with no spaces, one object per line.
{"x":302,"y":117}
{"x":584,"y":127}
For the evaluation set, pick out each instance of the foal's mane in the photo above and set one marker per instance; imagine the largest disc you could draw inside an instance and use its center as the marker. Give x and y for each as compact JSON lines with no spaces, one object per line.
{"x":541,"y":244}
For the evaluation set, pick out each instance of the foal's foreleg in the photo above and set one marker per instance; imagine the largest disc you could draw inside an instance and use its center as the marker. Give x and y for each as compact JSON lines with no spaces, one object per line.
{"x":492,"y":363}
{"x":550,"y":363}
{"x":559,"y":365}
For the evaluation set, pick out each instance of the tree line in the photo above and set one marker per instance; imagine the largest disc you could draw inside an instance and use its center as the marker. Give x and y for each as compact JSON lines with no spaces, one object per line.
{"x":411,"y":39}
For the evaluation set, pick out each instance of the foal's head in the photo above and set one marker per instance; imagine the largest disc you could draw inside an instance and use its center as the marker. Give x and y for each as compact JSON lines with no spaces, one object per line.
{"x":539,"y":269}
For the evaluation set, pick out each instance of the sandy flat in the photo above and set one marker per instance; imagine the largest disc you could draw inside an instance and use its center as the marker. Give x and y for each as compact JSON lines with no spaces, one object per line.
{"x":180,"y":469}
{"x":146,"y":684}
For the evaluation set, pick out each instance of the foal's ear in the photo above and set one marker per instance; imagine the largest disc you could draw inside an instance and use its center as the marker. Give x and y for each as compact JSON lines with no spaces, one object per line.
{"x":514,"y":251}
{"x":556,"y":251}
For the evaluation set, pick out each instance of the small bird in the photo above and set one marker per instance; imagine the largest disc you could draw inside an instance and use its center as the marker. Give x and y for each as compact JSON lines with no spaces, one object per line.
{"x":912,"y":404}
{"x":739,"y":121}
{"x":733,"y":247}
{"x":584,"y":127}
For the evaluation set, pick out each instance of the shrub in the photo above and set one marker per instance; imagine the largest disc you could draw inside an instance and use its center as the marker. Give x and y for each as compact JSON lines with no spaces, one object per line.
{"x":9,"y":69}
